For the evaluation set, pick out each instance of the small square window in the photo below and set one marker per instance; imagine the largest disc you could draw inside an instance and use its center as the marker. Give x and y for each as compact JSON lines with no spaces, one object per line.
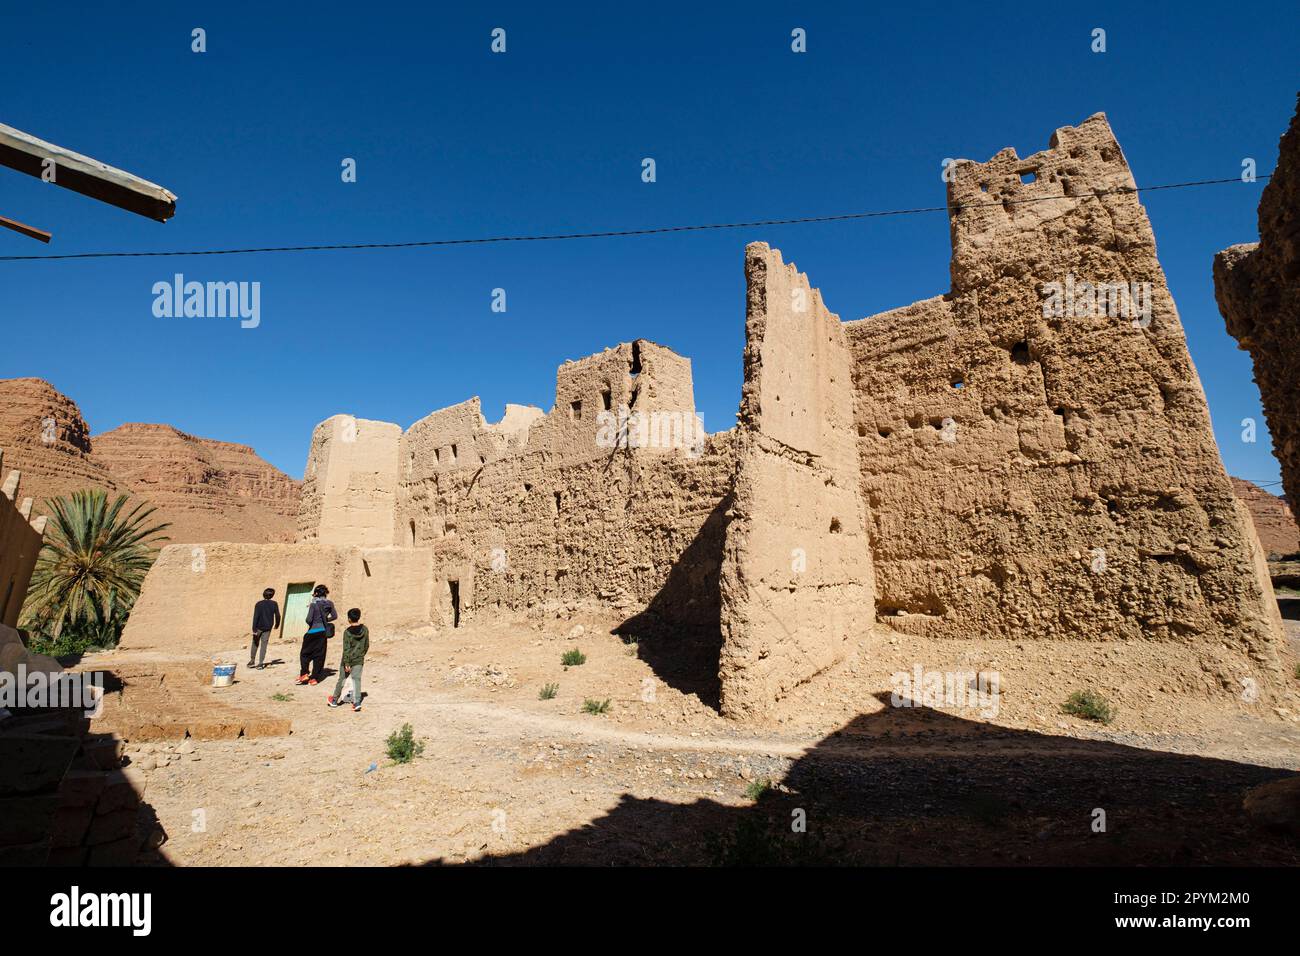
{"x":575,"y":411}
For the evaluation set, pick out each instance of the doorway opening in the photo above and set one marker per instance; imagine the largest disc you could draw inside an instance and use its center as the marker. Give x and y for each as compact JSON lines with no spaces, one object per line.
{"x":297,"y":598}
{"x":454,"y":588}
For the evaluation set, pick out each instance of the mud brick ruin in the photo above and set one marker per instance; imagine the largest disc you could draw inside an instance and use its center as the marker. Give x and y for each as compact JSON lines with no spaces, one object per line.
{"x":21,"y":536}
{"x":1258,"y":290}
{"x":981,"y":464}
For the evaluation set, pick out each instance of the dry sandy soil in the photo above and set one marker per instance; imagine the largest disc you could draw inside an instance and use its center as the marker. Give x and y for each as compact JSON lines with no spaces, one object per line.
{"x":660,"y":778}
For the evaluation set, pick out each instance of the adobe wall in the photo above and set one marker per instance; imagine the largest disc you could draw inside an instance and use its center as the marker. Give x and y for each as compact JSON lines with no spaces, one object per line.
{"x":1258,"y":290}
{"x":21,"y":537}
{"x":198,"y":599}
{"x":797,"y":578}
{"x":596,"y":500}
{"x":1050,"y":475}
{"x":349,"y":486}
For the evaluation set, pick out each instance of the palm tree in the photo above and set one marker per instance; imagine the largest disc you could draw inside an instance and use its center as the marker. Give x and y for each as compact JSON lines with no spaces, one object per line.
{"x":91,"y":567}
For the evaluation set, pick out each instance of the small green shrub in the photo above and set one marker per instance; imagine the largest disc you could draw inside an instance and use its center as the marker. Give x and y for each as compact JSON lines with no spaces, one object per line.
{"x":282,"y":697}
{"x":757,"y":788}
{"x":548,"y":692}
{"x":1089,"y":705}
{"x":573,"y":658}
{"x":591,"y":706}
{"x":402,"y":745}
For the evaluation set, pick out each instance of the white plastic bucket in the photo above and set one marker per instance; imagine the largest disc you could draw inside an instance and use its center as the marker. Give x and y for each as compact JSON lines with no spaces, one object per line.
{"x":223,"y":674}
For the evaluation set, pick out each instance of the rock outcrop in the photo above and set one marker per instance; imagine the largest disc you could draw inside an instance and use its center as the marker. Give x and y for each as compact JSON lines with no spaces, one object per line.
{"x":45,"y":437}
{"x":207,"y":490}
{"x":1258,"y":290}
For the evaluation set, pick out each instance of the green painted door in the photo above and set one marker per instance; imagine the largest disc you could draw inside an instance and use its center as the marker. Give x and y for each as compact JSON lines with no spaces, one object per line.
{"x":296,"y":600}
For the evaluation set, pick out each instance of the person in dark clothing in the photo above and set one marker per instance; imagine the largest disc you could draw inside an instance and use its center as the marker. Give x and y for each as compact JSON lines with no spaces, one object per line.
{"x":356,"y":642}
{"x":320,"y":628}
{"x":266,"y":618}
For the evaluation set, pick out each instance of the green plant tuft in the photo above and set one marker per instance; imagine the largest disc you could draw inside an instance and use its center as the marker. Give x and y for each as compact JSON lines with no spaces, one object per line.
{"x":757,"y":788}
{"x":1089,"y":705}
{"x":592,"y":706}
{"x":548,"y":692}
{"x":402,"y":745}
{"x":573,"y":658}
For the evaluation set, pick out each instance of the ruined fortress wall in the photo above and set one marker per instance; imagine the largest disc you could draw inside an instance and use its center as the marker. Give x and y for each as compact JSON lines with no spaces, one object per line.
{"x":1050,"y":475}
{"x":582,"y":503}
{"x":797,"y":573}
{"x":198,"y":599}
{"x":20,"y":544}
{"x":1258,"y":290}
{"x":349,"y":489}
{"x":613,"y":530}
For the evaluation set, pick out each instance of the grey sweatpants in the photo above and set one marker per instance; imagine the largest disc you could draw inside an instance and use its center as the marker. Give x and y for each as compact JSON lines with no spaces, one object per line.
{"x":262,"y":638}
{"x":356,"y":683}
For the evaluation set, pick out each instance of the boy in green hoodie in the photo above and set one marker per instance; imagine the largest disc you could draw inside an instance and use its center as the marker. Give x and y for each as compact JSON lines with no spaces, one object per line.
{"x":356,"y":641}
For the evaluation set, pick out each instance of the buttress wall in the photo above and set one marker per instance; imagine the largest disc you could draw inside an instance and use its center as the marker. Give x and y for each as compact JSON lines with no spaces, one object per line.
{"x":1037,"y":457}
{"x":349,"y":488}
{"x":797,"y":580}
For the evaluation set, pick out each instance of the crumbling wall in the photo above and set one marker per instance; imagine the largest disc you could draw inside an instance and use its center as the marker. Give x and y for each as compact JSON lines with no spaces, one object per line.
{"x":1258,"y":290}
{"x":797,"y":577}
{"x":598,"y":500}
{"x":349,"y":489}
{"x":21,"y":536}
{"x":1040,"y":464}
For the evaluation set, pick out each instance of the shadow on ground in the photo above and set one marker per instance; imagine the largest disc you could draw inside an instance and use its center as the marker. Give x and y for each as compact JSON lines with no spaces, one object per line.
{"x":679,"y":633}
{"x":919,"y":787}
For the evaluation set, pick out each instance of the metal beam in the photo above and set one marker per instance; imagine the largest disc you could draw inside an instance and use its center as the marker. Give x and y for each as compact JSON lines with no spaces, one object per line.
{"x":27,"y":154}
{"x":25,"y":229}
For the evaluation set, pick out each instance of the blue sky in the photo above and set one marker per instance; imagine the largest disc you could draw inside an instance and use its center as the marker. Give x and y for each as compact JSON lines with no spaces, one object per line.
{"x":452,"y":141}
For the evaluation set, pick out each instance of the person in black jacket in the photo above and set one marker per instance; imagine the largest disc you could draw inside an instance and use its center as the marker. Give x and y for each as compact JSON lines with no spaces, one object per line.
{"x":266,"y":618}
{"x":320,"y":628}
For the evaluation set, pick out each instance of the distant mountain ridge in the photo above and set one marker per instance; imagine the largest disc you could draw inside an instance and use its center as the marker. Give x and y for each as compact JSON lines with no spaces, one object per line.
{"x":209,"y":490}
{"x":1274,"y":522}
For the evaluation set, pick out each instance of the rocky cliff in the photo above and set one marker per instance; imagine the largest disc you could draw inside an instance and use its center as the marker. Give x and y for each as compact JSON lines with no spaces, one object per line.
{"x":1274,"y":522}
{"x":208,"y":490}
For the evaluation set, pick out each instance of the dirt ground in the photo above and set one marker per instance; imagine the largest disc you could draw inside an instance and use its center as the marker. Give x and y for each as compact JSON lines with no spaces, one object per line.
{"x":837,"y":775}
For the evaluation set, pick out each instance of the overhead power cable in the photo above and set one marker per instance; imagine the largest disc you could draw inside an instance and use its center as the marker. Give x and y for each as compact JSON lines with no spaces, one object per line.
{"x":607,"y":234}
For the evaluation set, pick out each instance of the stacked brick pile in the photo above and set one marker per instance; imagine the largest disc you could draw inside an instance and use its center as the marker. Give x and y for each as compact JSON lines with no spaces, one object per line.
{"x":169,"y":703}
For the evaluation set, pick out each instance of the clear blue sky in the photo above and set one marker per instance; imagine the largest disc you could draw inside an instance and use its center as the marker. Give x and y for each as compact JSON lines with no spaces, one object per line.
{"x":453,"y":141}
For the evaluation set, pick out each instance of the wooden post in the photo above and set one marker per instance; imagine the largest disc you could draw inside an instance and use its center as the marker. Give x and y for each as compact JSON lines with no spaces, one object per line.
{"x":25,"y":229}
{"x":35,"y":157}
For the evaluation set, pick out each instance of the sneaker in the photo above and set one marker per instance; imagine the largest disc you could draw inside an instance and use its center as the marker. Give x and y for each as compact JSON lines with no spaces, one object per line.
{"x":251,"y":664}
{"x":313,"y":682}
{"x":356,"y":708}
{"x":302,"y":679}
{"x":332,"y":702}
